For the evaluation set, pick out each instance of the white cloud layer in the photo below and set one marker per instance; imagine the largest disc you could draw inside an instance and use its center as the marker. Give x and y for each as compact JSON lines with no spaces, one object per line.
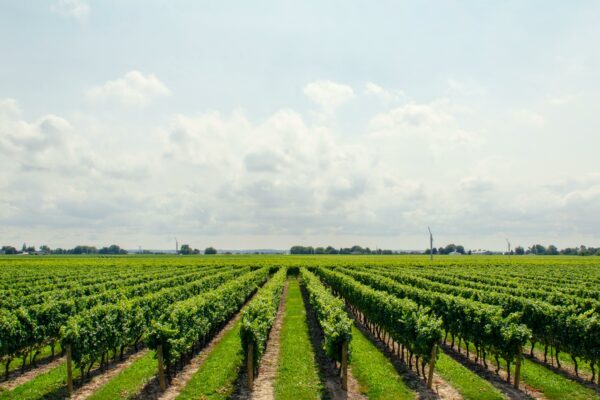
{"x":285,"y":177}
{"x":77,"y":9}
{"x":329,"y":95}
{"x":134,"y":89}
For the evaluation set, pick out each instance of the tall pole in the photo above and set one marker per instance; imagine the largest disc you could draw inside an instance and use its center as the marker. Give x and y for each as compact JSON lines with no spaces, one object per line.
{"x":508,"y":243}
{"x":176,"y":246}
{"x":430,"y":244}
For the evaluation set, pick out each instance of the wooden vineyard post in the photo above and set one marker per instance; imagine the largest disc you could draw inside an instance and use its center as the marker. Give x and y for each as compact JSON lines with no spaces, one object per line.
{"x":69,"y":370}
{"x":250,"y":365}
{"x":431,"y":366}
{"x":161,"y":368}
{"x":518,"y":370}
{"x":345,"y":365}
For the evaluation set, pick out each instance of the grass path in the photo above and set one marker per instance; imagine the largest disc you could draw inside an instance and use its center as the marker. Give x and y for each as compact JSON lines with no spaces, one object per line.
{"x":216,"y":377}
{"x":539,"y":381}
{"x":468,"y":384}
{"x":554,"y":386}
{"x":51,"y":385}
{"x":297,"y":373}
{"x":129,"y":381}
{"x":375,"y":374}
{"x":43,"y":357}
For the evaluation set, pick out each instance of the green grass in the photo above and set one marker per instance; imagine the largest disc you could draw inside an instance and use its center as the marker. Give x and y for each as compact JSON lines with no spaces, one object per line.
{"x":15,"y":364}
{"x":297,"y":374}
{"x":468,"y":384}
{"x":552,"y":385}
{"x":215,"y":379}
{"x":565,"y":359}
{"x":130,"y":381}
{"x":375,"y":374}
{"x":50,"y":385}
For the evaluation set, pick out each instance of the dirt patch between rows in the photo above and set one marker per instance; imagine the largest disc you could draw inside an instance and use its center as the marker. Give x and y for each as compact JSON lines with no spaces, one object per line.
{"x":263,"y":385}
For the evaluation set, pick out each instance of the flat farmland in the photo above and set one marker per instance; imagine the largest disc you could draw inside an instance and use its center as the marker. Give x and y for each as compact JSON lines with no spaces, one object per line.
{"x":286,"y":327}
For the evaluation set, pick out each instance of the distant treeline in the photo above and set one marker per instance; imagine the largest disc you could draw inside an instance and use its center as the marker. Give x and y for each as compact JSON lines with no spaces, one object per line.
{"x":112,"y":249}
{"x":554,"y":251}
{"x":536,"y":249}
{"x":344,"y":250}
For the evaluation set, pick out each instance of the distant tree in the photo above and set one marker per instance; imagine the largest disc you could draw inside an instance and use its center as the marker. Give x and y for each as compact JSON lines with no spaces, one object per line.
{"x":552,"y":250}
{"x":45,"y":249}
{"x":185,"y":249}
{"x":386,"y":252}
{"x":302,"y":250}
{"x":82,"y":250}
{"x":450,"y":248}
{"x":460,"y":249}
{"x":519,"y":250}
{"x":538,"y":249}
{"x":319,"y":250}
{"x":356,"y":249}
{"x":9,"y":250}
{"x":331,"y":250}
{"x":210,"y":250}
{"x":24,"y":248}
{"x":470,"y":252}
{"x":112,"y":249}
{"x":196,"y":251}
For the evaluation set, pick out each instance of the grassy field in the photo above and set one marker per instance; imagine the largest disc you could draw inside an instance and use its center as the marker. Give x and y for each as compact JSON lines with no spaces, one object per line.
{"x":297,"y":374}
{"x":130,"y":381}
{"x":375,"y":374}
{"x":51,"y":385}
{"x":16,"y":364}
{"x":468,"y":384}
{"x":215,"y":379}
{"x":298,"y":371}
{"x":554,"y":386}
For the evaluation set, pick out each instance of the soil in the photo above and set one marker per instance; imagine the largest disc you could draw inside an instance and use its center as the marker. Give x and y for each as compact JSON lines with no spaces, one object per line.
{"x":16,"y":378}
{"x":100,"y":380}
{"x":263,"y":384}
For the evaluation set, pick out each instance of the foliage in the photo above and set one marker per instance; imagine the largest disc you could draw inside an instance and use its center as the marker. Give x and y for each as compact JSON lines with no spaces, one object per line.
{"x":259,"y":315}
{"x":332,"y":317}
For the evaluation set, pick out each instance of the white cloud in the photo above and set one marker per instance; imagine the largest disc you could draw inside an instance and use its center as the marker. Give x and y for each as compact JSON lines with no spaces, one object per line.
{"x":529,"y":117}
{"x":329,"y":95}
{"x":134,"y":89}
{"x":77,"y":9}
{"x":287,"y":175}
{"x":433,"y":124}
{"x":465,"y":87}
{"x":476,"y":184}
{"x":387,"y":96}
{"x":562,"y":100}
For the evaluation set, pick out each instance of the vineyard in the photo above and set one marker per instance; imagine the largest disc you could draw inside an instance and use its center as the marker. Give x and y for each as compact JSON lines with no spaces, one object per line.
{"x":299,"y":327}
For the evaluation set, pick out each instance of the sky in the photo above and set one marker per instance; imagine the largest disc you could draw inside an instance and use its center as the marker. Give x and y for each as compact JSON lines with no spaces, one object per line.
{"x":267,"y":124}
